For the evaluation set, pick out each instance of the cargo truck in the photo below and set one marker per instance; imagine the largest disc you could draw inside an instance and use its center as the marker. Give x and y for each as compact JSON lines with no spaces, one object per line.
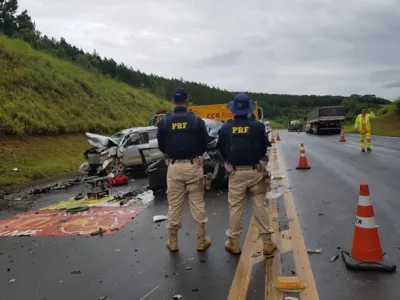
{"x":328,"y":119}
{"x":294,"y":126}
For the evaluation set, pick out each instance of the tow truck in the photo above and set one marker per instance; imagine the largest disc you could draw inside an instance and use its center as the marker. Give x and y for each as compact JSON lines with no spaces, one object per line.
{"x":219,"y":112}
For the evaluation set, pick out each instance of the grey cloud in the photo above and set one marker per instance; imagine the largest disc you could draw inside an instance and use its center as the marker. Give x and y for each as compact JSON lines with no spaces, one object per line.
{"x":308,"y":46}
{"x":226,"y":58}
{"x":392,"y":85}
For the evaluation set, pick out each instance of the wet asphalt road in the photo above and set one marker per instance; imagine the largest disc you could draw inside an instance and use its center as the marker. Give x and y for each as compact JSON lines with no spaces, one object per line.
{"x":337,"y":169}
{"x":134,"y":262}
{"x":127,"y":265}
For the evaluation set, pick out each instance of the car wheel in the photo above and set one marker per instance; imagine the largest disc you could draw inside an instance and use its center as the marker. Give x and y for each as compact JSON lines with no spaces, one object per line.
{"x":115,"y":167}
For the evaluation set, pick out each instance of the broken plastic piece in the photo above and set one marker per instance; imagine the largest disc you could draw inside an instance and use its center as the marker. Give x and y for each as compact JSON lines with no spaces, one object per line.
{"x":314,"y":251}
{"x":289,"y":284}
{"x":333,"y":258}
{"x":146,"y":197}
{"x":159,"y":218}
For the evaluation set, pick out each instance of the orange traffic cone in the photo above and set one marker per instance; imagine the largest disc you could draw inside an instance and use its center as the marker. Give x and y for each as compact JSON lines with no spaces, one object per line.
{"x":272,"y":139}
{"x":303,"y":164}
{"x":366,"y":252}
{"x":342,"y":139}
{"x":278,"y":138}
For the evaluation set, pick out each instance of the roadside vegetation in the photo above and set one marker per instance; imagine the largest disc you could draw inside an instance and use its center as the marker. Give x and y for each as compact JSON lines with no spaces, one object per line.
{"x":38,"y":157}
{"x":387,"y":121}
{"x":51,"y":92}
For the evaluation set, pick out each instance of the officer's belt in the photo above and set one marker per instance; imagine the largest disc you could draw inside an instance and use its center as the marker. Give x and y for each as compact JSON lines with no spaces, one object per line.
{"x":246,"y":167}
{"x":183,"y":161}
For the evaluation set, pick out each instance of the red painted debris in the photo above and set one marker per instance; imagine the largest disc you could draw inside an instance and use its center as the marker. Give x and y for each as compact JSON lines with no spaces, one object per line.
{"x":59,"y":222}
{"x":118,"y":180}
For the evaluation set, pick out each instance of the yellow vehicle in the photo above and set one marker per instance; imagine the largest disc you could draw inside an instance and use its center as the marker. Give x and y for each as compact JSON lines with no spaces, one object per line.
{"x":219,"y":112}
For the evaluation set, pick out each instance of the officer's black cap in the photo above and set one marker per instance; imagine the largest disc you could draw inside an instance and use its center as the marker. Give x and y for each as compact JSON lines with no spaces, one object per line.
{"x":180,"y":95}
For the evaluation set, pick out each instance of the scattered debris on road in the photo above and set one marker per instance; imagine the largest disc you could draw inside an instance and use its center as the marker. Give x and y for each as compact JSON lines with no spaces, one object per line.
{"x":195,"y":290}
{"x":188,"y":268}
{"x":333,"y":258}
{"x":176,"y":297}
{"x":103,"y":297}
{"x":76,"y":272}
{"x":12,"y":280}
{"x":97,"y":232}
{"x":159,"y":218}
{"x":314,"y":251}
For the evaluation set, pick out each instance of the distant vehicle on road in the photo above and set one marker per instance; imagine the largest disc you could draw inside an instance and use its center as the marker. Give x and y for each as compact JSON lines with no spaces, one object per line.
{"x":328,"y":119}
{"x":294,"y":125}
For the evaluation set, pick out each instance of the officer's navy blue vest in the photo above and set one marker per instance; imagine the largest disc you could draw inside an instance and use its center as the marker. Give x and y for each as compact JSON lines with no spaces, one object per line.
{"x":243,"y":147}
{"x":181,"y":130}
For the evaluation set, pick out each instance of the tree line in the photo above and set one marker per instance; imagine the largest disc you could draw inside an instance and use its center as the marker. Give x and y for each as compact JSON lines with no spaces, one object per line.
{"x":280,"y":107}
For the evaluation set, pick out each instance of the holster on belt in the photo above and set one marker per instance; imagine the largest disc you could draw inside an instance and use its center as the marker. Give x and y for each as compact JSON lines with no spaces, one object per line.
{"x":264,"y":169}
{"x":228,"y":168}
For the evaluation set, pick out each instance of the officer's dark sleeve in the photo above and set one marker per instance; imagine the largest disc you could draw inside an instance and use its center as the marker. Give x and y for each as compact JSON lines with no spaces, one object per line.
{"x":222,"y":141}
{"x":203,"y":136}
{"x":264,"y":138}
{"x":160,"y":136}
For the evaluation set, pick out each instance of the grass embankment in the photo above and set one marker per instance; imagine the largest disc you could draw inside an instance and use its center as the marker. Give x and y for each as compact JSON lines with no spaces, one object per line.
{"x":45,"y":106}
{"x":43,"y":95}
{"x":39,"y":157}
{"x":276,"y":125}
{"x":387,"y":121}
{"x":388,"y":125}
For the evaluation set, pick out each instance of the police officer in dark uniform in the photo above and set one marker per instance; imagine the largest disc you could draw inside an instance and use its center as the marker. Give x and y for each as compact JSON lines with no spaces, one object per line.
{"x":182,"y":137}
{"x":243,"y":144}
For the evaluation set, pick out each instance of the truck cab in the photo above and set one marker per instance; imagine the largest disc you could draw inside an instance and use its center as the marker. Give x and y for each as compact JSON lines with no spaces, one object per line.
{"x":294,"y":125}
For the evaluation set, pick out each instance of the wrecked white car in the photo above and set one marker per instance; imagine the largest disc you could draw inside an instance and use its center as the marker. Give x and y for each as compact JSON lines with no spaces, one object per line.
{"x":132,"y":148}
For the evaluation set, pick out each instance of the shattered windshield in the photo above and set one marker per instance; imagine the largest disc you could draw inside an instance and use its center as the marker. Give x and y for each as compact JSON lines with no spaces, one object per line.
{"x":117,"y":137}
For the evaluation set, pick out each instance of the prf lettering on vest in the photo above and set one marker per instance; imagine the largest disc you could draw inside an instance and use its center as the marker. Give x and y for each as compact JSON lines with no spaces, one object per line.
{"x":240,"y":129}
{"x":179,"y":125}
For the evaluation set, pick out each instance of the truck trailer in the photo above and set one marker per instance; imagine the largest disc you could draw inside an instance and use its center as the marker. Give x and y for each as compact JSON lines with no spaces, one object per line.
{"x":328,"y":119}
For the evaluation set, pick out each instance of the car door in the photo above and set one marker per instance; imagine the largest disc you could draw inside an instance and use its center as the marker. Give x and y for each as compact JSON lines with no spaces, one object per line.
{"x":131,"y":155}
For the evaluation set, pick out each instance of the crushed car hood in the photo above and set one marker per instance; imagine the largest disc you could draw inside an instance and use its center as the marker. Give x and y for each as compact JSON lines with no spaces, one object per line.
{"x":99,"y":141}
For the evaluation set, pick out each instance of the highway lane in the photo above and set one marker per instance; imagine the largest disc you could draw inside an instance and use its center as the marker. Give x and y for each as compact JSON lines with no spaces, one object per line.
{"x":127,"y":265}
{"x":326,"y":200}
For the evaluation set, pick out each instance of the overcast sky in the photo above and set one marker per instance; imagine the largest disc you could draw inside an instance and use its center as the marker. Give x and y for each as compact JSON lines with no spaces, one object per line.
{"x":273,"y":46}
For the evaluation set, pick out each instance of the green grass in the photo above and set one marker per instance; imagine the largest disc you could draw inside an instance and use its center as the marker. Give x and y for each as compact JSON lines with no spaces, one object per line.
{"x":40,"y":94}
{"x":39,"y":157}
{"x":388,"y":125}
{"x":276,"y":125}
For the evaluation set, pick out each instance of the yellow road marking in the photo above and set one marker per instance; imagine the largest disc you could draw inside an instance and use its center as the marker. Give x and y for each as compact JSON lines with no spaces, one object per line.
{"x":301,"y":259}
{"x":288,"y":240}
{"x":252,"y":244}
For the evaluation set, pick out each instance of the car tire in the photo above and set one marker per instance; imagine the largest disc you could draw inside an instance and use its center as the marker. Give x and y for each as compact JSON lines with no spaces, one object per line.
{"x":116,"y":167}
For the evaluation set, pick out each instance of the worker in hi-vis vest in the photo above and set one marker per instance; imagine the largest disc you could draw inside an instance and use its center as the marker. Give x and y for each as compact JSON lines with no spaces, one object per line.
{"x":363,"y":123}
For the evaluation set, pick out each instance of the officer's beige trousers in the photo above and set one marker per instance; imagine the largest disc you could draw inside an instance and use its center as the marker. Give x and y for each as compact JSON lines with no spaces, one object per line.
{"x":239,"y":182}
{"x":182,"y":177}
